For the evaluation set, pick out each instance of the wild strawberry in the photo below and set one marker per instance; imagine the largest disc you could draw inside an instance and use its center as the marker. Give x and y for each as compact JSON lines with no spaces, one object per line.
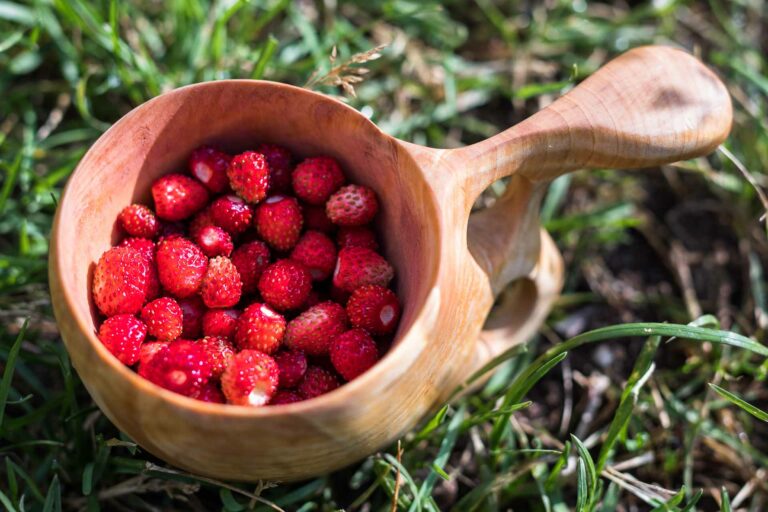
{"x":182,"y":367}
{"x":353,"y":205}
{"x":313,"y":330}
{"x":250,"y":379}
{"x":220,"y":322}
{"x":357,"y":236}
{"x":284,"y":396}
{"x":278,"y":221}
{"x":214,"y":241}
{"x":285,"y":284}
{"x":292,"y":365}
{"x":280,"y":163}
{"x":374,"y":308}
{"x":181,"y":266}
{"x":317,"y":252}
{"x":316,"y":219}
{"x":123,"y":336}
{"x":192,"y":309}
{"x":202,"y":219}
{"x":353,"y":353}
{"x":260,"y":328}
{"x":211,"y":393}
{"x":251,"y":259}
{"x":231,"y":213}
{"x":146,"y":248}
{"x":219,"y":351}
{"x":248,"y":175}
{"x":357,"y":266}
{"x":120,"y":281}
{"x":163,"y":318}
{"x":221,"y":286}
{"x":315,"y":179}
{"x":178,"y":197}
{"x":209,"y":165}
{"x":138,"y":220}
{"x":143,"y":245}
{"x":317,"y":381}
{"x":149,"y":349}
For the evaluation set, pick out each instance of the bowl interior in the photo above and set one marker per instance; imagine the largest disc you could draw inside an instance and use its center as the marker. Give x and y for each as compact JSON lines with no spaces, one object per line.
{"x":157,"y":138}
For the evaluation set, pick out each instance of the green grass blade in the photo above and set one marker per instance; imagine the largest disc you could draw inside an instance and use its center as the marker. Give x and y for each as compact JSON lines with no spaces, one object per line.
{"x":6,"y":502}
{"x":10,"y":362}
{"x":267,"y":52}
{"x":53,"y":498}
{"x":725,"y":501}
{"x":582,"y":488}
{"x":740,"y":402}
{"x":588,"y":463}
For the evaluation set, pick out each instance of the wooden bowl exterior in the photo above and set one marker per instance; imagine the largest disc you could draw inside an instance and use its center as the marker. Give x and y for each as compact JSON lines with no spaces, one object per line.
{"x":447,"y":278}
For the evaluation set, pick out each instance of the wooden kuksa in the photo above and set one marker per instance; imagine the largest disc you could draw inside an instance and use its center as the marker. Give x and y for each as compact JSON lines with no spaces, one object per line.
{"x":650,"y":106}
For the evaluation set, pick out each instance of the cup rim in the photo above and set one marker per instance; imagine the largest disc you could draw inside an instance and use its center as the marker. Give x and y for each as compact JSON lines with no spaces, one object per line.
{"x":339,"y":397}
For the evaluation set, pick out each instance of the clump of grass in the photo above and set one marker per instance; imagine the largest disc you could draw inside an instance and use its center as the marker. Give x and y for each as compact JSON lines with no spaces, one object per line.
{"x":588,"y":417}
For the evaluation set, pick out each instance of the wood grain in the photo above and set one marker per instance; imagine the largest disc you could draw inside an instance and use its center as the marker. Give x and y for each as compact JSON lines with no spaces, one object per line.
{"x":650,"y":106}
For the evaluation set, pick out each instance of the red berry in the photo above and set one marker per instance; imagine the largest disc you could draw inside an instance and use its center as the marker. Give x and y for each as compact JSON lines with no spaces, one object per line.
{"x":221,"y":286}
{"x":317,"y":252}
{"x":178,"y":197}
{"x":163,"y":318}
{"x":292,"y":365}
{"x":374,"y":308}
{"x":214,"y":241}
{"x":285,"y":284}
{"x":231,"y":213}
{"x":316,"y":219}
{"x":211,"y":393}
{"x":284,"y":396}
{"x":120,"y":281}
{"x":149,"y":349}
{"x":313,"y":330}
{"x":201,"y":220}
{"x":353,"y":205}
{"x":138,"y":220}
{"x":182,"y":367}
{"x":317,"y":381}
{"x":181,"y":266}
{"x":357,"y":236}
{"x":123,"y":336}
{"x":250,"y":379}
{"x":315,"y":179}
{"x":147,"y":249}
{"x":353,"y":353}
{"x":209,"y":165}
{"x":220,"y":322}
{"x":248,"y":175}
{"x":358,"y":266}
{"x":260,"y":328}
{"x":280,"y":163}
{"x":219,"y":352}
{"x":278,"y":221}
{"x":192,"y":309}
{"x":143,"y":245}
{"x":251,"y":259}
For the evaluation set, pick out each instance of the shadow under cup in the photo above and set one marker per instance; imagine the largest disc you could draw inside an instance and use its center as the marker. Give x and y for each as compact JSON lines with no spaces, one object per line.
{"x":156,"y":139}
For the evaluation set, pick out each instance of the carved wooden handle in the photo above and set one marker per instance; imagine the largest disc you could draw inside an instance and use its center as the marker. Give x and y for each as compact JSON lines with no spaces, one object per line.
{"x":650,"y":106}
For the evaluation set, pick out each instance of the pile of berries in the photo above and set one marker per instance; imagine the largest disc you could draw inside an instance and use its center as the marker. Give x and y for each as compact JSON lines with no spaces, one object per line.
{"x":252,"y":282}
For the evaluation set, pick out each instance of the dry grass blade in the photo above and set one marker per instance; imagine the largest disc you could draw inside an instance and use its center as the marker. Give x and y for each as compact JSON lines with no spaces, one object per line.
{"x":396,"y":493}
{"x":344,"y":75}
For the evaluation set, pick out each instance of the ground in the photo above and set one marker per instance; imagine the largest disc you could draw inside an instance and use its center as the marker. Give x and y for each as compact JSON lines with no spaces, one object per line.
{"x":680,"y":244}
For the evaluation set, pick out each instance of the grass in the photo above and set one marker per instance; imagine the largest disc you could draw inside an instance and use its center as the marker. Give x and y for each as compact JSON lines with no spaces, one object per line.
{"x":600,"y":413}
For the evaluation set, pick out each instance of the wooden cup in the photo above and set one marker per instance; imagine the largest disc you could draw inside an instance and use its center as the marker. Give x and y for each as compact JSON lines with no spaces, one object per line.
{"x":650,"y":106}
